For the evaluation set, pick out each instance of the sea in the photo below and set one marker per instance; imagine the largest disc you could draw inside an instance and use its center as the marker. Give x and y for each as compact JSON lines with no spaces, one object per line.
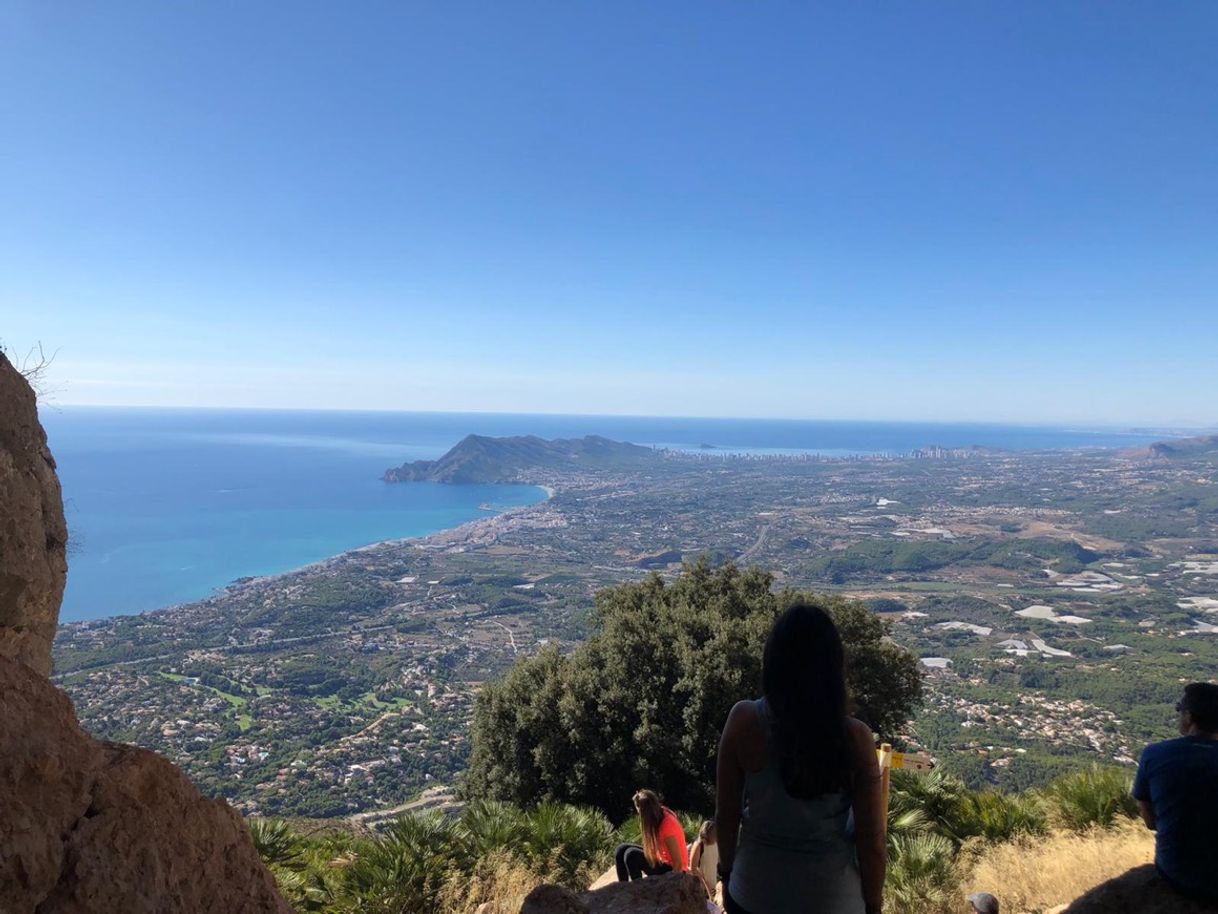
{"x":165,"y":506}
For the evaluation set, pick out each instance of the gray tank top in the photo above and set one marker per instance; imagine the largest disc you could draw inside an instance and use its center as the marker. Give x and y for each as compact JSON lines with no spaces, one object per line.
{"x":794,"y":856}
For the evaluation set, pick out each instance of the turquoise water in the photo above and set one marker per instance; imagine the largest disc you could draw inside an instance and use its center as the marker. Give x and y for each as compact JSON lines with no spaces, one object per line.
{"x":164,"y":506}
{"x":160,"y":512}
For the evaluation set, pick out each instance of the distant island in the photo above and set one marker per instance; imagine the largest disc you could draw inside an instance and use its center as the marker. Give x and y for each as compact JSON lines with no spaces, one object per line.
{"x":482,"y":460}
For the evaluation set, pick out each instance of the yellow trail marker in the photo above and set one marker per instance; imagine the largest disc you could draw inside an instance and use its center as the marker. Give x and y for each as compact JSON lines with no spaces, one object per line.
{"x":909,"y":761}
{"x":917,"y":762}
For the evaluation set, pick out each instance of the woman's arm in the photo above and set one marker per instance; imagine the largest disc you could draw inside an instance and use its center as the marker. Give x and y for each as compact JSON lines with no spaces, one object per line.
{"x":729,"y":787}
{"x":869,"y":815}
{"x":674,"y":854}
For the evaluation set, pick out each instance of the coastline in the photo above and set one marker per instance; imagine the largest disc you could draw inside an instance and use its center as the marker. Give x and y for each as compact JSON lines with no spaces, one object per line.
{"x":482,"y":526}
{"x":180,"y":527}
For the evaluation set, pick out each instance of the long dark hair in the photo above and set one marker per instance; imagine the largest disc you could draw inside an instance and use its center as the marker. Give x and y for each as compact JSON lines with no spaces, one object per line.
{"x":651,"y":817}
{"x":803,"y":675}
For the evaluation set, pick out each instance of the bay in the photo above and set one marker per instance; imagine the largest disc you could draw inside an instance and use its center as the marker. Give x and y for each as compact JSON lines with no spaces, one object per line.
{"x":166,"y":505}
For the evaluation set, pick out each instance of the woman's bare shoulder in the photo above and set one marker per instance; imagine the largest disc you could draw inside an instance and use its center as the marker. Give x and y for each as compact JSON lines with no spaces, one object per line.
{"x":742,"y":711}
{"x":744,"y":735}
{"x":862,"y":744}
{"x":859,"y":730}
{"x":744,"y":720}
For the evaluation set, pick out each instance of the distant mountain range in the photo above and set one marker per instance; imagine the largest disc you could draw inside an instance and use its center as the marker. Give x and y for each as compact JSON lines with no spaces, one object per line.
{"x":1179,"y":447}
{"x":478,"y":459}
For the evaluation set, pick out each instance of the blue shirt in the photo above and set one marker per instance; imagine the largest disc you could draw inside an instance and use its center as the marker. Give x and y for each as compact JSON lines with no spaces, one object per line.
{"x":1179,"y":778}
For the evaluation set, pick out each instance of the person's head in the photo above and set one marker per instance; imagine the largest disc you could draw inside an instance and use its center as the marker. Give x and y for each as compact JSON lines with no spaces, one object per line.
{"x":804,"y":680}
{"x":984,"y":903}
{"x":651,"y":815}
{"x":707,"y":832}
{"x":1198,"y":709}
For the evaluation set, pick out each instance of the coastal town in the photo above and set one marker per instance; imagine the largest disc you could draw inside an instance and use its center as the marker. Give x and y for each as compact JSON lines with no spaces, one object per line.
{"x":1056,"y":599}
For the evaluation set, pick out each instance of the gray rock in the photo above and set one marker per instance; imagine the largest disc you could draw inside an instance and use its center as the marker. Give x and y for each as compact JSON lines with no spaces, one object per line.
{"x":673,"y":894}
{"x":1139,"y":891}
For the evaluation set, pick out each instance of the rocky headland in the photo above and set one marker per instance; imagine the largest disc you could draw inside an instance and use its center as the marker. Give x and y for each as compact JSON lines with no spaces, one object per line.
{"x":478,"y":459}
{"x":1179,"y":448}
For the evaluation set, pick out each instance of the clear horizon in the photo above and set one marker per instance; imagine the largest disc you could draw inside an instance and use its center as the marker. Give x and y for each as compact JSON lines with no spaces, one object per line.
{"x":1112,"y":427}
{"x":958,"y":214}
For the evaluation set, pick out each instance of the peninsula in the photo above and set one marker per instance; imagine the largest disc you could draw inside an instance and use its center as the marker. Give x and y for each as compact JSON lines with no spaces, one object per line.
{"x":478,"y":459}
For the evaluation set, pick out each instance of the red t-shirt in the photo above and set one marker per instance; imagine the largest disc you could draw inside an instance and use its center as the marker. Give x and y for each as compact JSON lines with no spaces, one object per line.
{"x":670,"y":827}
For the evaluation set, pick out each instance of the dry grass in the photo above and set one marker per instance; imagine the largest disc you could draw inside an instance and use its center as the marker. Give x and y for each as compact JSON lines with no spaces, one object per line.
{"x":1034,"y":874}
{"x":499,"y":879}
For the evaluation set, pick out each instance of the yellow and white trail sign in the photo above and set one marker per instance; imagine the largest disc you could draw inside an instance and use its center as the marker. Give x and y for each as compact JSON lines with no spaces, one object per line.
{"x":917,"y":762}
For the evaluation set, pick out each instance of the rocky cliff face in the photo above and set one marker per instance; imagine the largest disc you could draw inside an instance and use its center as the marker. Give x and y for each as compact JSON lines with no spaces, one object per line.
{"x":88,"y":827}
{"x":33,"y":535}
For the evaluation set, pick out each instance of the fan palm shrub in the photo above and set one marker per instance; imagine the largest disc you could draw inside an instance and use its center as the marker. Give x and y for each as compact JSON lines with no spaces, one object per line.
{"x":276,"y":843}
{"x":938,"y":800}
{"x":405,"y":869}
{"x":995,"y":816}
{"x":307,"y":890}
{"x":1095,"y":796}
{"x":906,"y":822}
{"x":299,"y":865}
{"x":922,"y":875}
{"x":566,"y":841}
{"x":691,"y":824}
{"x":491,"y":826}
{"x":630,"y":832}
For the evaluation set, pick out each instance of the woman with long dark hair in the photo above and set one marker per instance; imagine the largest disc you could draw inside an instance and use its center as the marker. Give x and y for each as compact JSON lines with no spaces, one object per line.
{"x":663,"y":849}
{"x":798,"y":805}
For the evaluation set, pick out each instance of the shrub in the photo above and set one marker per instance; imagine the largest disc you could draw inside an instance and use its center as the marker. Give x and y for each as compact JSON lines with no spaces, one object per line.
{"x":276,"y":843}
{"x":922,"y":875}
{"x":566,"y":842}
{"x":406,"y":869}
{"x":1091,"y":797}
{"x":642,"y":701}
{"x":995,"y":816}
{"x":493,"y":827}
{"x":945,"y":806}
{"x":937,"y":799}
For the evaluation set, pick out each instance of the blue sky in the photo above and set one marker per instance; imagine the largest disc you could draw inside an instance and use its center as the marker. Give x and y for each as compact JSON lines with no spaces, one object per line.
{"x":949,"y":210}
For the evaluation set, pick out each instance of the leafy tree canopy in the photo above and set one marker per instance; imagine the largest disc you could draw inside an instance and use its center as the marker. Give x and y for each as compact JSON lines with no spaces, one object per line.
{"x":642,"y":702}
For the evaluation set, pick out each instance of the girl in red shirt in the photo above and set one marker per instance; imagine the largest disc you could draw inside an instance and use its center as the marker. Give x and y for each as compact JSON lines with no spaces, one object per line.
{"x":663,"y":850}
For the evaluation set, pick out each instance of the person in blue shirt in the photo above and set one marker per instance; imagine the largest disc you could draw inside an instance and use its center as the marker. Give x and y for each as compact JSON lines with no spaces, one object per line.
{"x":1177,"y":792}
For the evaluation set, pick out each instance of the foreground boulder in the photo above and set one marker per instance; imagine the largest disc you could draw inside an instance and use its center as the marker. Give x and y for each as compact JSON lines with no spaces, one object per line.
{"x":1139,"y":891}
{"x":98,"y":827}
{"x":673,"y":894}
{"x":33,"y":535}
